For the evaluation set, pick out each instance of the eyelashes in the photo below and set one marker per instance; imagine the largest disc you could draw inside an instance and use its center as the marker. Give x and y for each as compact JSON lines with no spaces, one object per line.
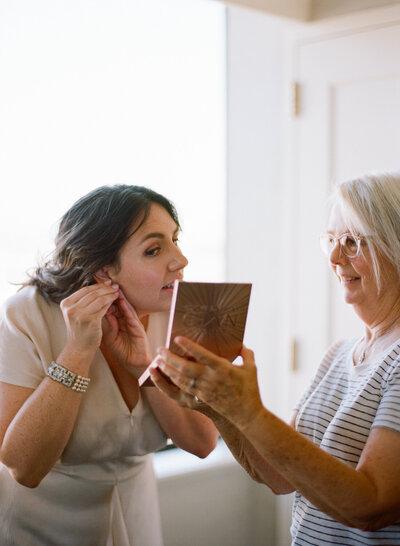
{"x":154,"y":251}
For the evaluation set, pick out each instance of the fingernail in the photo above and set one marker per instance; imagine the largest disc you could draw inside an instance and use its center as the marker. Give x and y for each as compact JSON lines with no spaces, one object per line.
{"x":108,"y":282}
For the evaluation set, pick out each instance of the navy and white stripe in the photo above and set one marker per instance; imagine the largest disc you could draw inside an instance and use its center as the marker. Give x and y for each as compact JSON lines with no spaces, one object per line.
{"x":337,"y":413}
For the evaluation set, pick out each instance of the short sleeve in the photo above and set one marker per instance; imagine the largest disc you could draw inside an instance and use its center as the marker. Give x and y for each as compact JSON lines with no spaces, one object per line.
{"x":324,"y":366}
{"x":24,"y":350}
{"x":388,"y":413}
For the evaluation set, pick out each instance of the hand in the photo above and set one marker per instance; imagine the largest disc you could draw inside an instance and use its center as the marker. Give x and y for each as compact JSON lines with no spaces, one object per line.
{"x":184,"y":399}
{"x":83,"y":312}
{"x":230,"y":390}
{"x":125,"y":337}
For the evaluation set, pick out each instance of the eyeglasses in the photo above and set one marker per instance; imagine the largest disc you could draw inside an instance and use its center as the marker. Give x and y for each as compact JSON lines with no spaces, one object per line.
{"x":349,"y":244}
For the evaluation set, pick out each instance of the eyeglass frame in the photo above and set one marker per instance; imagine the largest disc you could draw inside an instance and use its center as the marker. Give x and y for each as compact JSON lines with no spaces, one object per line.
{"x":358,"y":238}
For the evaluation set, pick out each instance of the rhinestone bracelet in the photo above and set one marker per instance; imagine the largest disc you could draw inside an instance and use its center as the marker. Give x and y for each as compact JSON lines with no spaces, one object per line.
{"x":66,"y":377}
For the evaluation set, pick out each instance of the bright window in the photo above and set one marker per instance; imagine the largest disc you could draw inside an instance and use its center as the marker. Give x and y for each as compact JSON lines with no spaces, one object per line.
{"x":105,"y":92}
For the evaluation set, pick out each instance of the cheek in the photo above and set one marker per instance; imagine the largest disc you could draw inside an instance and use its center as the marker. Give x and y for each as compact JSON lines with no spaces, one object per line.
{"x":364,"y":271}
{"x":333,"y":268}
{"x":141,"y":278}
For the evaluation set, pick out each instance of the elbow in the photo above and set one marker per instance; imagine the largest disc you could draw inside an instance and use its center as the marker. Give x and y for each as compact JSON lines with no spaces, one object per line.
{"x":27,"y":480}
{"x":25,"y":477}
{"x":30,"y":484}
{"x":203,"y":453}
{"x":282,"y":490}
{"x":371,"y":522}
{"x":361,"y":525}
{"x":205,"y":449}
{"x":23,"y":473}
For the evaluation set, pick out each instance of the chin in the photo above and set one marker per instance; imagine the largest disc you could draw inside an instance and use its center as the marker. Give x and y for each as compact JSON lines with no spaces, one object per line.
{"x":349,"y":299}
{"x":158,"y":308}
{"x":165,"y":307}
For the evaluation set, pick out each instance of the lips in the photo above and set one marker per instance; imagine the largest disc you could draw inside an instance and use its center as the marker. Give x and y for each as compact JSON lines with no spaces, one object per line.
{"x":348,"y":278}
{"x":170,"y":285}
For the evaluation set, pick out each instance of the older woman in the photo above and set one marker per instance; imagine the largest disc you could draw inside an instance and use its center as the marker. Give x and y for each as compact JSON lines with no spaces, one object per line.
{"x":341,"y":451}
{"x":76,"y":433}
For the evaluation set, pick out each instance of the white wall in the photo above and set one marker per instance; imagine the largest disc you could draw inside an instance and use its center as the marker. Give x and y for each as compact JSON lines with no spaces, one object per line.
{"x":258,"y":106}
{"x":256,"y":112}
{"x":222,"y":505}
{"x":216,"y":506}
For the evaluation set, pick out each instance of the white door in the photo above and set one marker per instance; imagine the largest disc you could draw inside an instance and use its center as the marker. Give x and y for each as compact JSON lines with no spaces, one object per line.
{"x":348,"y":123}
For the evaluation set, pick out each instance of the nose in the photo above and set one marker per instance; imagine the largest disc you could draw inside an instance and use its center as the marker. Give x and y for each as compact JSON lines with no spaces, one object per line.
{"x":336,"y":255}
{"x":178,"y":260}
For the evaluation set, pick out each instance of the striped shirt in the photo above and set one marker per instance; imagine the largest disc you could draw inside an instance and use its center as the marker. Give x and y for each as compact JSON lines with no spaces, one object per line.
{"x":337,"y":412}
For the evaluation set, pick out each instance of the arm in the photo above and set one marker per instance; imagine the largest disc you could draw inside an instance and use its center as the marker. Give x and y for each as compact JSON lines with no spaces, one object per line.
{"x":188,"y":429}
{"x":250,"y":459}
{"x":367,"y":497}
{"x":243,"y":451}
{"x":126,"y":339}
{"x":35,"y":425}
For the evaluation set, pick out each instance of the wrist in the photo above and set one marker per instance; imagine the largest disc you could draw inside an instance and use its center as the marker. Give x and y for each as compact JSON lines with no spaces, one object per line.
{"x":68,"y":378}
{"x":209,"y":412}
{"x":251,"y":419}
{"x":77,"y":360}
{"x":137,"y":371}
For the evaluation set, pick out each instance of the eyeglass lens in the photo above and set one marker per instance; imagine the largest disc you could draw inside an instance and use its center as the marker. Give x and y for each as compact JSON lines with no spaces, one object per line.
{"x":350,"y":246}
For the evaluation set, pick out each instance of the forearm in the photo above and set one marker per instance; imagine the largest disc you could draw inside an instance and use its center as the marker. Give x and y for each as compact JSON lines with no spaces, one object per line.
{"x":334,"y":487}
{"x":188,"y":429}
{"x":40,"y":430}
{"x":248,"y":457}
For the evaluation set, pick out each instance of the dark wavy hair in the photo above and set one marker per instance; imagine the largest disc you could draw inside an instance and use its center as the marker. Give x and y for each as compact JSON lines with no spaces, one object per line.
{"x":91,"y":235}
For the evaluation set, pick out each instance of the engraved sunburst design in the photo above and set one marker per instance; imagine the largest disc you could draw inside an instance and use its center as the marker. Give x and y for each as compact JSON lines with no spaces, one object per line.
{"x":213,"y":315}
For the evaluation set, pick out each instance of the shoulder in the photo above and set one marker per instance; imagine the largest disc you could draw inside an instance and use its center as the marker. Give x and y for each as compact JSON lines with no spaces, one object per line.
{"x":389,"y":367}
{"x":338,"y":351}
{"x":25,"y":306}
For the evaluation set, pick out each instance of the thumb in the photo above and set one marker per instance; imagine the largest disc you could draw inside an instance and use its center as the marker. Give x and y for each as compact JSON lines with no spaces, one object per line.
{"x":109,"y":326}
{"x":248,"y":356}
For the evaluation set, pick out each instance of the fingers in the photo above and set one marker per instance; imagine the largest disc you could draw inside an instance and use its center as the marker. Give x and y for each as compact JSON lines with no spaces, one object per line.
{"x":87,"y":291}
{"x":200,"y":353}
{"x":128,"y":311}
{"x":94,"y":298}
{"x":178,"y":367}
{"x":163,"y":384}
{"x":173,"y":391}
{"x":248,"y":356}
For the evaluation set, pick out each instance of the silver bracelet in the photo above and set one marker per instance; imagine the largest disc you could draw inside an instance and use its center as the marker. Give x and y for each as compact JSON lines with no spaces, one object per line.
{"x":66,"y":377}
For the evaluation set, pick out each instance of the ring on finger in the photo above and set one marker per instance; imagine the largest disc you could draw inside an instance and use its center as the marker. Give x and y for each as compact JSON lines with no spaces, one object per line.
{"x":192,"y":383}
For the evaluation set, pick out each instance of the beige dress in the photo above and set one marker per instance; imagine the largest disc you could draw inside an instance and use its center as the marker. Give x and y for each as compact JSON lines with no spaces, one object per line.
{"x":102,"y":491}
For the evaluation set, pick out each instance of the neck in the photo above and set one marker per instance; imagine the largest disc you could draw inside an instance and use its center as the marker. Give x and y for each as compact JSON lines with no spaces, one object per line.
{"x":381,"y":331}
{"x":387,"y":326}
{"x":145,"y":321}
{"x":381,"y":315}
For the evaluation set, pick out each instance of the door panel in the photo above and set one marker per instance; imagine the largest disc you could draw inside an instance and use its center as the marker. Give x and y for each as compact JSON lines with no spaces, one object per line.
{"x":348,"y":124}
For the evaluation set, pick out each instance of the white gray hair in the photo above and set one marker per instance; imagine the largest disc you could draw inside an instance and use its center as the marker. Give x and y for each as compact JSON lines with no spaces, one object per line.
{"x":371,"y":206}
